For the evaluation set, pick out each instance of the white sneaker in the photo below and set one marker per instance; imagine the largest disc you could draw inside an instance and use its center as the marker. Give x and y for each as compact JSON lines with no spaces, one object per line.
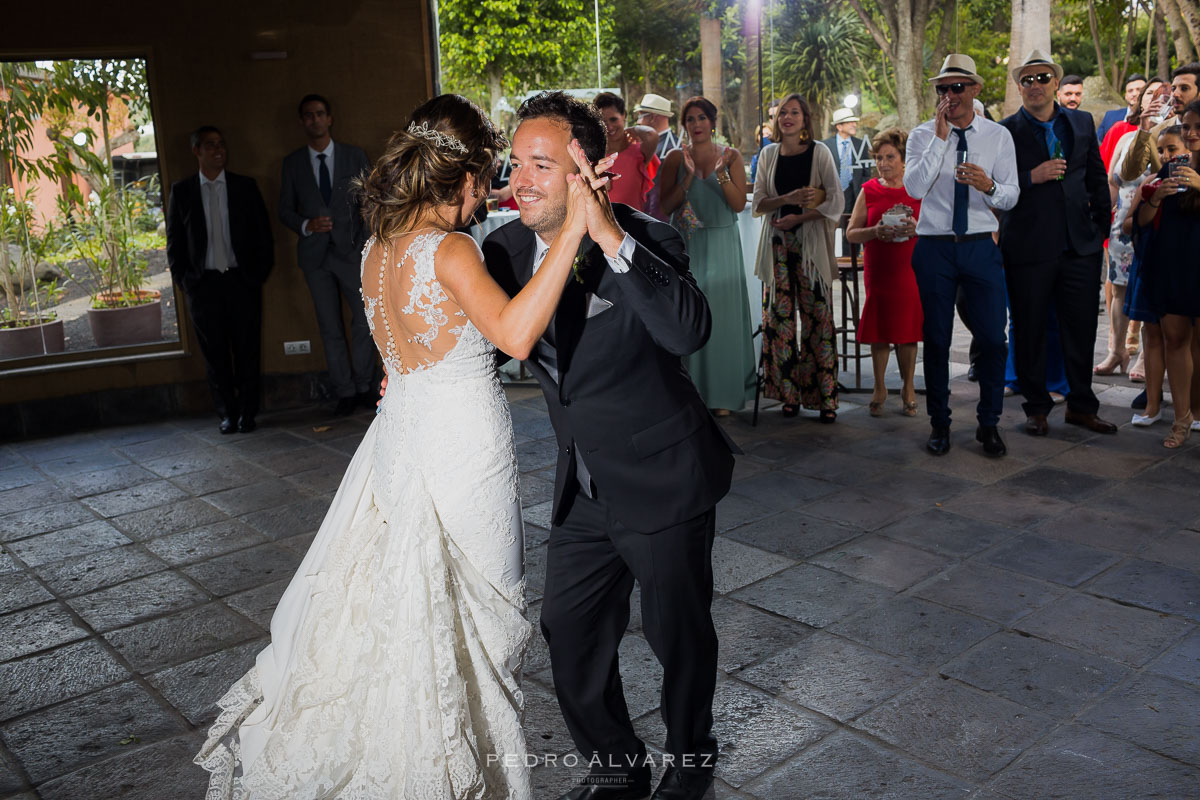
{"x":1145,"y":421}
{"x":1196,"y":424}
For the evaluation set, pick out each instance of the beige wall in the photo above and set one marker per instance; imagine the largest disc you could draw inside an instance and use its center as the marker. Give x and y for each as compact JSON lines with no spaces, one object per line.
{"x":371,"y":58}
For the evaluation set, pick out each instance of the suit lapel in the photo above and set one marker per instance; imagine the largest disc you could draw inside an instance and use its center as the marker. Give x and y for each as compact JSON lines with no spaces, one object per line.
{"x":572,"y":311}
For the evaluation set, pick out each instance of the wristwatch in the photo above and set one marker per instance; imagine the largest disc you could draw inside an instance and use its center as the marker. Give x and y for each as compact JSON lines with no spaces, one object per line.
{"x":992,"y":191}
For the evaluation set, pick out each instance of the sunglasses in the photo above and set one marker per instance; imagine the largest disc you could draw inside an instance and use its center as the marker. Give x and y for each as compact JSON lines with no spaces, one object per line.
{"x":1042,"y":78}
{"x":957,"y":88}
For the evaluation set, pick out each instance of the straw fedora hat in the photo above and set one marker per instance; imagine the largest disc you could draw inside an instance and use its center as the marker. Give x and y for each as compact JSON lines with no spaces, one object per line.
{"x":957,"y":65}
{"x":1037,"y":58}
{"x":843,"y":115}
{"x":654,"y":104}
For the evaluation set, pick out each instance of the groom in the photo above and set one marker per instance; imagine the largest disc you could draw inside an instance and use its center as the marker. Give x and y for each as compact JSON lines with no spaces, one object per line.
{"x":641,"y":463}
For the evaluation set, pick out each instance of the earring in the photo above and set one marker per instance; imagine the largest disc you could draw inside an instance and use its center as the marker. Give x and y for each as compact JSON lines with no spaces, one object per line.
{"x":804,"y":134}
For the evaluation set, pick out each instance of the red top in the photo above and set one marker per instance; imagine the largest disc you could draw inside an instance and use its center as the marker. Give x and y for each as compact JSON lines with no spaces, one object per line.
{"x":891,"y":313}
{"x":1109,"y":145}
{"x":635,"y":181}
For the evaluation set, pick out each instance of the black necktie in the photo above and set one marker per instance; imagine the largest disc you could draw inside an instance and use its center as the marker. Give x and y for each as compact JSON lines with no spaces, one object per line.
{"x":323,"y":182}
{"x":961,"y":191}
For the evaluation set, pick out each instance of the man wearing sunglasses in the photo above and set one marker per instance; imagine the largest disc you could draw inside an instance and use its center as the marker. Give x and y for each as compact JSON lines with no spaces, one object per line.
{"x":1053,"y":241}
{"x":962,"y":167}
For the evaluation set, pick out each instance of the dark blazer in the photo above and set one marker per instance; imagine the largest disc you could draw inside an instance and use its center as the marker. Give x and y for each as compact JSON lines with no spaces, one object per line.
{"x":300,"y":200}
{"x":656,"y":456}
{"x":249,"y":230}
{"x":1051,"y":217}
{"x":1110,"y":118}
{"x":860,"y":170}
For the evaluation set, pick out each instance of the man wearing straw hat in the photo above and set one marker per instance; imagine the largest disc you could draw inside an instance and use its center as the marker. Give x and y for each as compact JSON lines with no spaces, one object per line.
{"x":851,"y":155}
{"x":1065,"y":200}
{"x":655,"y":112}
{"x":963,"y":168}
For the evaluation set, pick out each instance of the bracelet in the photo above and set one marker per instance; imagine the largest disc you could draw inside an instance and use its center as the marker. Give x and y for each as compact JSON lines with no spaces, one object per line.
{"x":723,"y":177}
{"x":1152,"y":205}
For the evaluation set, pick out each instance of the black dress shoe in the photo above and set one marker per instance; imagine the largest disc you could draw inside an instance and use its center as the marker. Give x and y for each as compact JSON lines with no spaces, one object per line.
{"x":227,"y":425}
{"x":1139,"y":402}
{"x":1037,"y":425}
{"x":1090,"y":421}
{"x":939,"y":441}
{"x":989,"y":437}
{"x":345,"y":406}
{"x":637,"y":788}
{"x":246,"y":424}
{"x":971,"y":374}
{"x":679,"y":785}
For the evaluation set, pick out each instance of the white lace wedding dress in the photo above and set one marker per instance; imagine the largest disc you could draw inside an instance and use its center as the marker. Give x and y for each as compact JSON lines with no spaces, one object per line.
{"x":395,"y":652}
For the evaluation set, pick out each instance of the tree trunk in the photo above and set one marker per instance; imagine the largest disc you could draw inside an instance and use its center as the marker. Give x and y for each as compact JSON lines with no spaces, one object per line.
{"x":710,"y":60}
{"x":745,"y":137}
{"x":1185,"y":49}
{"x":1189,"y":11}
{"x":1030,"y":29}
{"x":1162,"y":47}
{"x":904,"y":44}
{"x":495,"y":84}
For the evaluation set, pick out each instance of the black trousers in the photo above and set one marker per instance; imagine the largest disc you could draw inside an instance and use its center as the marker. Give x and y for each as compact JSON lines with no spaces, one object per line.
{"x":226,"y":311}
{"x":591,"y":566}
{"x":1070,"y":283}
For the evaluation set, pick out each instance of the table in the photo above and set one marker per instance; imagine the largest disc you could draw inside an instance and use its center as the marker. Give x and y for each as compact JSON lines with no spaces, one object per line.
{"x":494,"y":220}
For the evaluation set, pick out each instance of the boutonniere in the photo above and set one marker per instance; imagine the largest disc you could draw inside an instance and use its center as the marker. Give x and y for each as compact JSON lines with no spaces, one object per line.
{"x":581,"y":259}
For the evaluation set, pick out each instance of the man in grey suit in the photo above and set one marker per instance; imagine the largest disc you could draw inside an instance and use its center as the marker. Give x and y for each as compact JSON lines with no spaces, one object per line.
{"x":851,"y":155}
{"x":316,"y":200}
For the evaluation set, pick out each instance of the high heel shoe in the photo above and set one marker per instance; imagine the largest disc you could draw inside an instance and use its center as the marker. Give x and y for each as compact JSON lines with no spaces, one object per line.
{"x":1113,"y":364}
{"x":910,"y":408}
{"x":1180,"y":432}
{"x":875,"y":408}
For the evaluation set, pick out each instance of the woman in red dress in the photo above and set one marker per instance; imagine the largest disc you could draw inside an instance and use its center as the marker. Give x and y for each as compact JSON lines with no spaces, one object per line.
{"x":884,"y":221}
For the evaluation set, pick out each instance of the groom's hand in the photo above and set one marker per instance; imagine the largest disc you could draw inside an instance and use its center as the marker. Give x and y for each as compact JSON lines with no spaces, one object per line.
{"x":601,"y":222}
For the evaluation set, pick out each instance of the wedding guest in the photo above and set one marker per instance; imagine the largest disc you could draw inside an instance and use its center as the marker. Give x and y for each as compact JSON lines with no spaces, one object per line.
{"x":1119,"y":118}
{"x":703,"y":187}
{"x":636,"y":159}
{"x":1070,"y":92}
{"x":655,"y":112}
{"x":800,"y":197}
{"x":884,"y":221}
{"x":850,"y":155}
{"x":1170,"y":218}
{"x":1163,"y":114}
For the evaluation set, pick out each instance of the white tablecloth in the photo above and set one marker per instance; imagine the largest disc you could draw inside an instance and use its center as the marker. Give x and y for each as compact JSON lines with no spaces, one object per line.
{"x":494,"y":220}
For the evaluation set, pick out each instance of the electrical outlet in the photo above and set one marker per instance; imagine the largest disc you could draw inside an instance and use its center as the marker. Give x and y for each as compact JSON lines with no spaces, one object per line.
{"x":296,"y":348}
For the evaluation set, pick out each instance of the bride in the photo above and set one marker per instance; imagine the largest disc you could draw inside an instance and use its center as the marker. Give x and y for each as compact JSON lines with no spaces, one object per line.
{"x":396,"y":649}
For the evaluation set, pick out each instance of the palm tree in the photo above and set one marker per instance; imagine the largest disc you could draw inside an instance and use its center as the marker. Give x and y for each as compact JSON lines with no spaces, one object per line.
{"x":821,"y":62}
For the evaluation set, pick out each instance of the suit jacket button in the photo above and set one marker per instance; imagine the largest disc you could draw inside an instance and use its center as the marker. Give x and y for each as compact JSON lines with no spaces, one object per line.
{"x":565,"y":403}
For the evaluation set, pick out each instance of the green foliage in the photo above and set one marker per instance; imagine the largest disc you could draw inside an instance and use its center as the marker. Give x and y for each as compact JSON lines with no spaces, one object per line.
{"x":103,"y":234}
{"x":24,"y":298}
{"x":648,"y":41}
{"x":821,"y":61}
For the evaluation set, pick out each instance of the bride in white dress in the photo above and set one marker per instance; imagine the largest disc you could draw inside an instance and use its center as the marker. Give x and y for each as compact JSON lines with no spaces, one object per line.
{"x":395,"y":656}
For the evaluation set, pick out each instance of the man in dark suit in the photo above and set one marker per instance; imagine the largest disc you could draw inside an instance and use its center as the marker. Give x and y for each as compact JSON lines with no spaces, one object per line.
{"x":1052,"y":242}
{"x":851,"y":155}
{"x":316,"y":200}
{"x":641,"y":462}
{"x":220,"y":250}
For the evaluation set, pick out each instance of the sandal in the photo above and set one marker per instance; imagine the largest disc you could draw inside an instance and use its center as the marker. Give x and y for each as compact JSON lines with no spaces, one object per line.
{"x":1180,"y":432}
{"x":829,"y":416}
{"x":875,"y":407}
{"x":1113,"y":364}
{"x":910,"y":408}
{"x":790,"y":409}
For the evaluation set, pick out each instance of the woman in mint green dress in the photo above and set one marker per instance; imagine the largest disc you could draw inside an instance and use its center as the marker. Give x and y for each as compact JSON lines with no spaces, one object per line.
{"x":703,"y":187}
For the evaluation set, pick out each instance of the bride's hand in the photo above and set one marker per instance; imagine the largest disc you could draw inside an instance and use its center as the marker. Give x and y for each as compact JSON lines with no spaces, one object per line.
{"x":577,"y":206}
{"x":601,"y":221}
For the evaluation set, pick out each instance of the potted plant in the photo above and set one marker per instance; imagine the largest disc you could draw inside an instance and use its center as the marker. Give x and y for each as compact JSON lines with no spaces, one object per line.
{"x":28,"y":326}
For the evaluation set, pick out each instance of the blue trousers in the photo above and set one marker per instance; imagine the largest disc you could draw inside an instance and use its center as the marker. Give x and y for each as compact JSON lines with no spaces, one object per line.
{"x":941,"y":267}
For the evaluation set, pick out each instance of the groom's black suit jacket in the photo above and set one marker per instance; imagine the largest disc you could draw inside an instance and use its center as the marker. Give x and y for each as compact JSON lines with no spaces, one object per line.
{"x":655,"y":454}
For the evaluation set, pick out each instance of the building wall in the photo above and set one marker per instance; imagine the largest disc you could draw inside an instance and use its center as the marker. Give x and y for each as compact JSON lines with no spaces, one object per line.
{"x":371,"y":58}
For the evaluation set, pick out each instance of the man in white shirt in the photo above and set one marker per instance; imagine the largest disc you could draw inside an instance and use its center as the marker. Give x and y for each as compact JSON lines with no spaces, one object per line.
{"x":655,"y":112}
{"x":317,"y":201}
{"x":963,"y":168}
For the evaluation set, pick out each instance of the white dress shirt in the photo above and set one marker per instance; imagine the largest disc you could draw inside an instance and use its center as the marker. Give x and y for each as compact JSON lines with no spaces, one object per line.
{"x":316,"y":168}
{"x":220,"y":187}
{"x":929,"y":176}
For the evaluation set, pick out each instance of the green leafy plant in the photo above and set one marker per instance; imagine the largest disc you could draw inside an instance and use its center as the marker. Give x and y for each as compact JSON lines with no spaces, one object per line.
{"x":25,"y":301}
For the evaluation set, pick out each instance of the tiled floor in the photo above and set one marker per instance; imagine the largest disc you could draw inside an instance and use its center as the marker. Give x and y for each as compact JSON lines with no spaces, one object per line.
{"x":892,"y":625}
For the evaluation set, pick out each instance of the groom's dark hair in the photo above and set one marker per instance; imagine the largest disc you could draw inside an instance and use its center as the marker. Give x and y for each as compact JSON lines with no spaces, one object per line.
{"x":584,"y":119}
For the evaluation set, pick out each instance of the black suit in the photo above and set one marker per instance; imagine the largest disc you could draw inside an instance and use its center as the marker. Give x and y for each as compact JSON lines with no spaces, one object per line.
{"x":658,"y":464}
{"x":860,"y":168}
{"x":226,"y":308}
{"x":1052,"y":242}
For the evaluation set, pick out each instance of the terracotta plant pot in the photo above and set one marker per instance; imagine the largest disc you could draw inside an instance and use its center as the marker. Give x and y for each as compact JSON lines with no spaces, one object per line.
{"x":115,"y":327}
{"x":28,"y":340}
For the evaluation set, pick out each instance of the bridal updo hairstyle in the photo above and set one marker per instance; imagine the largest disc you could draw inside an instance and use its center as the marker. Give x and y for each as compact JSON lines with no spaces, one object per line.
{"x":418,"y":171}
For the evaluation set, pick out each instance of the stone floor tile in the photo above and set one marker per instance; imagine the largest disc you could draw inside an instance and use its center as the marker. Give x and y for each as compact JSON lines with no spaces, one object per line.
{"x":56,"y":675}
{"x":205,"y":542}
{"x":19,"y":590}
{"x":903,"y":448}
{"x":154,"y":772}
{"x":1155,"y":712}
{"x":1110,"y":530}
{"x":347,"y":445}
{"x":7,"y":564}
{"x":267,"y":442}
{"x":753,"y":730}
{"x":1061,"y":484}
{"x":172,"y":518}
{"x":793,"y":535}
{"x":1042,"y":675}
{"x":258,"y":604}
{"x":302,"y":516}
{"x":736,"y":565}
{"x":884,"y":561}
{"x":812,"y":595}
{"x":535,"y":490}
{"x":537,"y":454}
{"x":11,"y":780}
{"x":858,"y":510}
{"x":40,"y":628}
{"x":63,"y":738}
{"x":1006,"y":506}
{"x":538,"y":515}
{"x":555,"y":779}
{"x":132,"y":434}
{"x":194,"y":687}
{"x":161,"y":446}
{"x":1053,"y":560}
{"x":780,"y":490}
{"x":82,"y":462}
{"x":995,"y":594}
{"x":832,"y":675}
{"x":220,"y":477}
{"x":33,"y":496}
{"x":1097,"y":625}
{"x":66,"y":543}
{"x":86,"y":484}
{"x":189,"y":461}
{"x":915,"y":630}
{"x":535,"y":572}
{"x":954,"y":727}
{"x":1096,"y":458}
{"x":136,"y":600}
{"x":1152,"y":585}
{"x":967,"y":460}
{"x":59,"y":446}
{"x":244,"y":499}
{"x":298,"y":544}
{"x":916,"y":487}
{"x":734,"y":510}
{"x":947,"y":533}
{"x":1077,"y":762}
{"x":1181,"y":662}
{"x":1180,"y":549}
{"x":17,"y":477}
{"x":848,"y":767}
{"x":1171,"y":505}
{"x":325,"y":478}
{"x":43,"y":520}
{"x":746,"y":634}
{"x":839,"y":468}
{"x":92,"y":571}
{"x":135,"y":498}
{"x":183,"y":636}
{"x":243,"y":569}
{"x":545,"y":730}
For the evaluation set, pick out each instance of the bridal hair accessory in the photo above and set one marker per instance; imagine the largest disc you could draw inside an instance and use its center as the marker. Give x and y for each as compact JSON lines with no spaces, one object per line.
{"x":442,"y":140}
